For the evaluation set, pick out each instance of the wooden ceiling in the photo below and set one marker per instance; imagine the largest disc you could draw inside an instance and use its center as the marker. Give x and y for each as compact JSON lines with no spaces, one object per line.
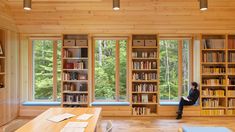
{"x":135,"y":16}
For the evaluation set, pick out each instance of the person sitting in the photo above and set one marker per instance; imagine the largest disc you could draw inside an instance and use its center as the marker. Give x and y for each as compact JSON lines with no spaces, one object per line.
{"x":191,"y":99}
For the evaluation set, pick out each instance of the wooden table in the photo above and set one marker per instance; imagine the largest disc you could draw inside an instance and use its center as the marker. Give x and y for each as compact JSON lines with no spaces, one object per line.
{"x":41,"y":124}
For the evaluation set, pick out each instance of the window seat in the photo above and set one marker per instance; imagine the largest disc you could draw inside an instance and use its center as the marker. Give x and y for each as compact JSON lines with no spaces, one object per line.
{"x":174,"y":104}
{"x":34,"y":103}
{"x":110,"y":104}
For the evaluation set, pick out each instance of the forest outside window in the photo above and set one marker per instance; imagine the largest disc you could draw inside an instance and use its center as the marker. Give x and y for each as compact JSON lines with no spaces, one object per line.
{"x":175,"y":69}
{"x":45,"y":69}
{"x":110,"y":76}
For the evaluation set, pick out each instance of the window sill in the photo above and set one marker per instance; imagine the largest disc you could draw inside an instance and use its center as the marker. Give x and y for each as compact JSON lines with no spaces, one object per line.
{"x":34,"y":103}
{"x":110,"y":104}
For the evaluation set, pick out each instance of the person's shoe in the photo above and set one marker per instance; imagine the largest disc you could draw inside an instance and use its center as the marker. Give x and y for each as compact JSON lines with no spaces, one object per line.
{"x":179,"y":117}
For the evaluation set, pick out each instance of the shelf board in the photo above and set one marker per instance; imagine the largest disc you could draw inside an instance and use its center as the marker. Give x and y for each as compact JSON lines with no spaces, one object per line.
{"x":213,"y":107}
{"x":82,"y":92}
{"x":74,"y":47}
{"x":2,"y":73}
{"x":144,"y":58}
{"x":75,"y":69}
{"x":145,"y":92}
{"x":150,"y":103}
{"x":213,"y":97}
{"x":144,"y":47}
{"x":233,"y":63}
{"x":75,"y":103}
{"x":75,"y":80}
{"x":213,"y":74}
{"x":154,"y":81}
{"x":144,"y":69}
{"x":231,"y":107}
{"x":231,"y":96}
{"x":213,"y":49}
{"x":213,"y":85}
{"x":231,"y":85}
{"x":231,"y":49}
{"x":150,"y":115}
{"x":213,"y":63}
{"x":74,"y":58}
{"x":231,"y":74}
{"x":2,"y":57}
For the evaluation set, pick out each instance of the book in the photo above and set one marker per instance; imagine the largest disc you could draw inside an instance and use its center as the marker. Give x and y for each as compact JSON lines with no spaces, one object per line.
{"x":84,"y":116}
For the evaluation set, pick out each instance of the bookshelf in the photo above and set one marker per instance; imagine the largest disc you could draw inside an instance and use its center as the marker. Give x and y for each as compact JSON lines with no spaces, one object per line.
{"x":214,"y":75}
{"x":2,"y":60}
{"x":145,"y":77}
{"x":75,"y":71}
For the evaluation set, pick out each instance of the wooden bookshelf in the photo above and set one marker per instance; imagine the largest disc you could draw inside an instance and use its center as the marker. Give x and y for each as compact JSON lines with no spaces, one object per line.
{"x":217,"y":75}
{"x":75,"y":71}
{"x":2,"y":59}
{"x":145,"y":76}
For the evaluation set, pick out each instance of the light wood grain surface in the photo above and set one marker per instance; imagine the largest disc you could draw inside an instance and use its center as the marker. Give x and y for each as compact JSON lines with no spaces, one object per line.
{"x":41,"y":123}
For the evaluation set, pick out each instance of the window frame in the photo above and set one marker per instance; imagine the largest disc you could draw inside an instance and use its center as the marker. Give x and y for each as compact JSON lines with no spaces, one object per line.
{"x":117,"y":60}
{"x":180,"y":61}
{"x":31,"y":96}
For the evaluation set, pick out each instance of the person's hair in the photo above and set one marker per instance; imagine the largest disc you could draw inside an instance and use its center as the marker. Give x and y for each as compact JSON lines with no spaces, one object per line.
{"x":194,"y":84}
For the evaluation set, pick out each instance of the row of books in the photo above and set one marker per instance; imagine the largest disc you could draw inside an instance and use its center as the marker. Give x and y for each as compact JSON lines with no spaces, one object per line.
{"x":78,"y":53}
{"x":231,"y":70}
{"x":212,"y":112}
{"x":231,"y":57}
{"x":144,"y":65}
{"x":142,"y":54}
{"x":212,"y":92}
{"x":231,"y":92}
{"x":74,"y":87}
{"x":141,"y":111}
{"x":213,"y":43}
{"x":231,"y":43}
{"x":213,"y":69}
{"x":76,"y":65}
{"x":231,"y":103}
{"x":78,"y":98}
{"x":144,"y":87}
{"x":144,"y":98}
{"x":231,"y":81}
{"x":231,"y":112}
{"x":74,"y":76}
{"x":213,"y":57}
{"x":144,"y":76}
{"x":219,"y":81}
{"x":210,"y":103}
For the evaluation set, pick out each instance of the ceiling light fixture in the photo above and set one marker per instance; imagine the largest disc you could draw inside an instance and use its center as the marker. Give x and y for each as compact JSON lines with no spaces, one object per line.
{"x":203,"y":5}
{"x":116,"y":5}
{"x":27,"y":4}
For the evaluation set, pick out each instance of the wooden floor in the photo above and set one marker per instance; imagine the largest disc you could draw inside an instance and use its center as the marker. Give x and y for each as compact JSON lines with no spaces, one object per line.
{"x":163,"y":124}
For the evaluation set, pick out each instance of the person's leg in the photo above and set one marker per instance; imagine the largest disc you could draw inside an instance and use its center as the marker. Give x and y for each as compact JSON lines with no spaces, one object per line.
{"x":181,"y":107}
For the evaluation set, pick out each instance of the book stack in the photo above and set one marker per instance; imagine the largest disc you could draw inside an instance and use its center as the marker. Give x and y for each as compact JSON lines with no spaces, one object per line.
{"x":144,"y":65}
{"x":144,"y":76}
{"x":74,"y":76}
{"x":81,"y":98}
{"x":213,"y":69}
{"x":142,"y":54}
{"x":212,"y":112}
{"x":231,"y":81}
{"x":231,"y":43}
{"x":141,"y":111}
{"x":231,"y":103}
{"x":213,"y":57}
{"x":219,"y":81}
{"x":144,"y":87}
{"x":213,"y":43}
{"x":231,"y":57}
{"x":210,"y":92}
{"x":231,"y":92}
{"x":231,"y":112}
{"x":210,"y":103}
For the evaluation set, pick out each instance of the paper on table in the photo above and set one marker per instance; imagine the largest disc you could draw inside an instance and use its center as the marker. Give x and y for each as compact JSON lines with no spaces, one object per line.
{"x":77,"y":124}
{"x":61,"y":117}
{"x":185,"y":98}
{"x":72,"y":129}
{"x":85,"y":116}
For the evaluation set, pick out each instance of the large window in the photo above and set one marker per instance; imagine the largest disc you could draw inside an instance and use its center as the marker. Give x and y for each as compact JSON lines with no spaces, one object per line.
{"x":175,"y":69}
{"x":110,"y":70}
{"x":46,"y":69}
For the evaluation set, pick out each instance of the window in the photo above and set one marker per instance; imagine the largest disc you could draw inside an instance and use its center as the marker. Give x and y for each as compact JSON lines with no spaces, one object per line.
{"x":110,"y":76}
{"x":46,"y":69}
{"x":175,"y":69}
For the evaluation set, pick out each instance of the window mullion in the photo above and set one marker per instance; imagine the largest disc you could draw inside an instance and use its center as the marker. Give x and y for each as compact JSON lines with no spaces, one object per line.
{"x":117,"y":70}
{"x":180,"y":65}
{"x":54,"y":70}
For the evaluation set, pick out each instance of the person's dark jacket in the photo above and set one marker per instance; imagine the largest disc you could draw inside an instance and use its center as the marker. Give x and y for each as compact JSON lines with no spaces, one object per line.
{"x":193,"y":95}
